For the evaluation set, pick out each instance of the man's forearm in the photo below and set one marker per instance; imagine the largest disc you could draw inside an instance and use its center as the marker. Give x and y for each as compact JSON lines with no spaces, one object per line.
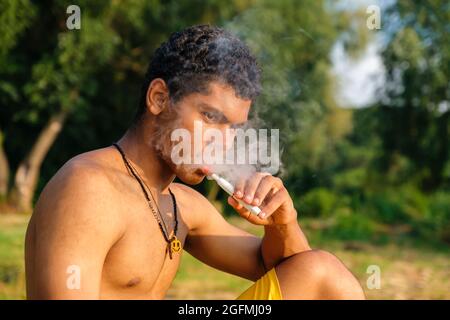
{"x":282,"y":241}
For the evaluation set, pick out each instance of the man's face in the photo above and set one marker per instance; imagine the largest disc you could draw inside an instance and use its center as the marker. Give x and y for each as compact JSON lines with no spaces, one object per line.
{"x":218,"y":109}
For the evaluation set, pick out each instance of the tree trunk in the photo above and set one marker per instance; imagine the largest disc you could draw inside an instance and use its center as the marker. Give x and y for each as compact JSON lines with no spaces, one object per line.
{"x":4,"y":170}
{"x":27,"y":173}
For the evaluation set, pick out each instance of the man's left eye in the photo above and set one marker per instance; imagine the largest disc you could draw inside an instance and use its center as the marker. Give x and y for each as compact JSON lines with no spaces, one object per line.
{"x":209,"y":116}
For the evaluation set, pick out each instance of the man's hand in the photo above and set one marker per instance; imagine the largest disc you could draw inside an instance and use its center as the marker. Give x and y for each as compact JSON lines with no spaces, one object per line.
{"x":221,"y":245}
{"x":269,"y":194}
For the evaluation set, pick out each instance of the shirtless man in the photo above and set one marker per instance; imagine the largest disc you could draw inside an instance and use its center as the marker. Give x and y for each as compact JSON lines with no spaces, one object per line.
{"x":93,"y":220}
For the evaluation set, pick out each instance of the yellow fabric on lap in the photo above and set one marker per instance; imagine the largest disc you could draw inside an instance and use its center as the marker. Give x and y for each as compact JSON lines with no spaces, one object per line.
{"x":266,"y":288}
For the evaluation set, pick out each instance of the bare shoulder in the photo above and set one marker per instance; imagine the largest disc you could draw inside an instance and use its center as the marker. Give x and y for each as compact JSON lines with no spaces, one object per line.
{"x":186,"y":191}
{"x":80,"y":194}
{"x":83,"y":175}
{"x":190,"y":196}
{"x":197,"y":209}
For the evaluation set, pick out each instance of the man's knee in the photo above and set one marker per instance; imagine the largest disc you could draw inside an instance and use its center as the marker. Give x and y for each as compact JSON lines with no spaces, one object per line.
{"x":326,"y":271}
{"x":318,"y":263}
{"x":315,"y":265}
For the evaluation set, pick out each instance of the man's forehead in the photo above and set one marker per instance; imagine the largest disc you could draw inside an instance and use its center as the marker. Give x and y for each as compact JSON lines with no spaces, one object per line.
{"x":223,"y":98}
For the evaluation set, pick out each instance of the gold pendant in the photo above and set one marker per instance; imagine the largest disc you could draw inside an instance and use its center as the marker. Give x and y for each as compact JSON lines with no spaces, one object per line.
{"x":175,"y":244}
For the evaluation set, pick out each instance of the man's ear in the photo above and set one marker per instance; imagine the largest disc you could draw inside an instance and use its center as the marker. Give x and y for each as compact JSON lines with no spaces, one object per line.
{"x":157,"y":96}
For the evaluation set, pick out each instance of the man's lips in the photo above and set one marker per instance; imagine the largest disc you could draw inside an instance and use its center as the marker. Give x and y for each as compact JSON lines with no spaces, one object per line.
{"x":203,"y":171}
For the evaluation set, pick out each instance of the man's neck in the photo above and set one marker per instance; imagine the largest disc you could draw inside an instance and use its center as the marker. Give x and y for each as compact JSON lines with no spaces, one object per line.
{"x":136,"y":143}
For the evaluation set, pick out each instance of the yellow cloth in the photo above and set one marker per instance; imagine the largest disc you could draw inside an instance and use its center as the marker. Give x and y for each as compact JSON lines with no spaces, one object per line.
{"x":266,"y":288}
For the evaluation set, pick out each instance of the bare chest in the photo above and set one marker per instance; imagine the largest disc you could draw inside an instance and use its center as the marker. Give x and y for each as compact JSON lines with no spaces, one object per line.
{"x":139,"y":264}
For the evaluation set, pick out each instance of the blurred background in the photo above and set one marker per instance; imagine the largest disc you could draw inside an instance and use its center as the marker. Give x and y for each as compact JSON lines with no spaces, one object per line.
{"x":363,"y":112}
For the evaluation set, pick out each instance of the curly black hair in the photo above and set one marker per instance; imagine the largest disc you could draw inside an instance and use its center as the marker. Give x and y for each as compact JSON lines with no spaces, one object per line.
{"x":193,"y":57}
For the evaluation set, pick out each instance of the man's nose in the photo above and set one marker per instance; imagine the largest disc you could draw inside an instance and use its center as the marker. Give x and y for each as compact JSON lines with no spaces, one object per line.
{"x":226,"y":140}
{"x":229,"y":136}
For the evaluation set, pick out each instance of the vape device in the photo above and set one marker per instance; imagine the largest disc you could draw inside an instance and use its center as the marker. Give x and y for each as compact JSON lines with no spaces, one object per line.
{"x":229,"y":188}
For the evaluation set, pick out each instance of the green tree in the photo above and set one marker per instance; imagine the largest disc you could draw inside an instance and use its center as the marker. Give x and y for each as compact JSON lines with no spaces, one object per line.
{"x":82,"y":86}
{"x":414,"y":108}
{"x":293,"y":41}
{"x":58,"y":78}
{"x":51,"y":74}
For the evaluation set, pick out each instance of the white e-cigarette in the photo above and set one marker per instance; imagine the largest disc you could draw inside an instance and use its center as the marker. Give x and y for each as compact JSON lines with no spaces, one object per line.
{"x":229,"y":188}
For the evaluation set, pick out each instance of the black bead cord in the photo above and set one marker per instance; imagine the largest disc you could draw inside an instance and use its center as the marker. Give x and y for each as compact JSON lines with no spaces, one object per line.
{"x":163,"y":229}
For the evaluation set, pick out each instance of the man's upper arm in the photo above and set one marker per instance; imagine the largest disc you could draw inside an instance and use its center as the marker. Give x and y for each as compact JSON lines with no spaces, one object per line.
{"x":219,"y":244}
{"x":74,"y":228}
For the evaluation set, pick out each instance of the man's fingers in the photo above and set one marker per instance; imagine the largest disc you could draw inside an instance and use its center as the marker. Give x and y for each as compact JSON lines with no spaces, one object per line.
{"x":237,"y":206}
{"x":275,"y":202}
{"x":239,"y":188}
{"x":264,"y":187}
{"x":250,"y":189}
{"x":244,"y":213}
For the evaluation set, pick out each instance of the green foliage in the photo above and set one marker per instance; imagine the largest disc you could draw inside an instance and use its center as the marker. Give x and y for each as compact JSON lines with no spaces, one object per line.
{"x":318,"y":202}
{"x":437,"y":217}
{"x":398,"y":205}
{"x":15,"y":16}
{"x":412,"y":119}
{"x":349,"y":225}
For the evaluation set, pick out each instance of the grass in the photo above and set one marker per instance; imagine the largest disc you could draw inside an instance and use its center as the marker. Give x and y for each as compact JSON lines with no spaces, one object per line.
{"x":408,"y":270}
{"x":12,"y":236}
